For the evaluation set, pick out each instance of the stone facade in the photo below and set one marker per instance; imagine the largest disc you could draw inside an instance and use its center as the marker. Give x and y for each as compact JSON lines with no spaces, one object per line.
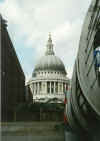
{"x":49,"y":87}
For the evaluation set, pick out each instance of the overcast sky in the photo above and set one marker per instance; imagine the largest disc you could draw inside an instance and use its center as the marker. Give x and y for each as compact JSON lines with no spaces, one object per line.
{"x":30,"y":21}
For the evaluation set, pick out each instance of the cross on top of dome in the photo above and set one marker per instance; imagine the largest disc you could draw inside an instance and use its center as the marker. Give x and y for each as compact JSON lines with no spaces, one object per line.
{"x":49,"y":50}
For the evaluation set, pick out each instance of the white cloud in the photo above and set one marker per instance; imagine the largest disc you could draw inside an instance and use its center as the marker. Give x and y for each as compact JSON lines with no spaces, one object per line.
{"x":33,"y":20}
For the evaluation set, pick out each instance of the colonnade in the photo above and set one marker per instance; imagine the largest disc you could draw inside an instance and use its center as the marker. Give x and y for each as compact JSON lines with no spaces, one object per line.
{"x":48,"y":87}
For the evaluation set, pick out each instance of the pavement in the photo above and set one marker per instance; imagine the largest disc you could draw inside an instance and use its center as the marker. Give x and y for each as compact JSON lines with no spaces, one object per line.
{"x":32,"y":138}
{"x":31,"y":131}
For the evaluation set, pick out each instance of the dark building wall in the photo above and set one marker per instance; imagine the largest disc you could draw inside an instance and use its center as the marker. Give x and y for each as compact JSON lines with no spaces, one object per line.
{"x":29,"y":95}
{"x":12,"y":75}
{"x":40,"y":116}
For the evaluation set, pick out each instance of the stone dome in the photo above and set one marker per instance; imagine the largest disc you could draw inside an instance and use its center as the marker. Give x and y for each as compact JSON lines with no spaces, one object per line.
{"x":50,"y":61}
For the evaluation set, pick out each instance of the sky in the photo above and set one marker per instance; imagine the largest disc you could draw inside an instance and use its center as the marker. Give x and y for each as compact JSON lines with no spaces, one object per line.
{"x":30,"y":21}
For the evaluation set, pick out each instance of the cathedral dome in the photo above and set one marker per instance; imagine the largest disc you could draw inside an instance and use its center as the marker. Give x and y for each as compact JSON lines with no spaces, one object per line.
{"x":49,"y":79}
{"x":50,"y":61}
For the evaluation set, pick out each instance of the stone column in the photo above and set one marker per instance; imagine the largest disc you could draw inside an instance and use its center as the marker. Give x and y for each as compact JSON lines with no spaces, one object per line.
{"x":33,"y":88}
{"x":38,"y":88}
{"x":43,"y":87}
{"x":50,"y":87}
{"x":62,"y":87}
{"x":54,"y":87}
{"x":58,"y":88}
{"x":46,"y":87}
